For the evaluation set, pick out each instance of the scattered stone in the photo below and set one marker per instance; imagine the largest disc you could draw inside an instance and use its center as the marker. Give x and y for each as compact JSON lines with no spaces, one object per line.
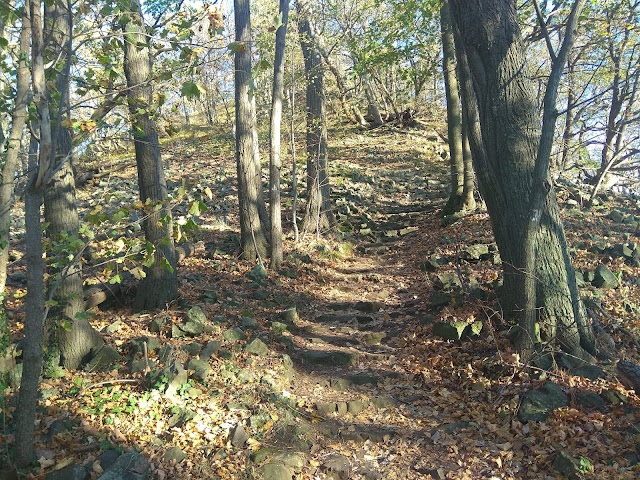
{"x":336,"y":465}
{"x":259,"y":420}
{"x":261,"y":295}
{"x":278,"y":328}
{"x":433,"y":263}
{"x":209,"y":349}
{"x":316,"y":357}
{"x":613,"y":397}
{"x":129,"y":466}
{"x":368,"y":307}
{"x":447,"y":281}
{"x":182,"y":416}
{"x":114,"y":327}
{"x":326,"y":408}
{"x":258,"y":273}
{"x":257,"y":347}
{"x":589,"y":371}
{"x":341,"y":408}
{"x":287,"y":362}
{"x":537,"y":404}
{"x":590,"y":400}
{"x":239,"y":436}
{"x":166,"y":354}
{"x":233,"y":334}
{"x":339,"y":383}
{"x":191,"y":328}
{"x":290,"y":315}
{"x":153,"y":344}
{"x":363,"y":379}
{"x":71,"y":472}
{"x":225,"y":354}
{"x":277,"y":471}
{"x":604,"y":278}
{"x":107,"y":459}
{"x":450,"y":330}
{"x":200,"y":367}
{"x":568,"y":466}
{"x":195,"y":314}
{"x":175,"y":374}
{"x":354,"y":407}
{"x":374,"y":338}
{"x":474,"y":252}
{"x":248,"y":322}
{"x":245,"y":376}
{"x":440,"y":300}
{"x":383,"y":401}
{"x":176,"y":332}
{"x":56,"y":427}
{"x":295,"y":460}
{"x":103,"y":359}
{"x":333,"y":318}
{"x":192,"y":349}
{"x":174,"y":454}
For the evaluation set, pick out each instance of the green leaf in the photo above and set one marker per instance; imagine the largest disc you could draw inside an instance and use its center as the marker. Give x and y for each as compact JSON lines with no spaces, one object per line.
{"x":66,"y":325}
{"x":164,"y":263}
{"x":190,"y":90}
{"x":115,"y":279}
{"x":51,"y":303}
{"x":237,"y":47}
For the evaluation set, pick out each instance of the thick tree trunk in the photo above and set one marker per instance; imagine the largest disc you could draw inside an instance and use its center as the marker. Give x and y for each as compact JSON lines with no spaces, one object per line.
{"x":18,"y":119}
{"x":505,"y":138}
{"x":454,"y":118}
{"x":318,"y":215}
{"x":275,"y":163}
{"x":253,"y":232}
{"x":160,"y":284}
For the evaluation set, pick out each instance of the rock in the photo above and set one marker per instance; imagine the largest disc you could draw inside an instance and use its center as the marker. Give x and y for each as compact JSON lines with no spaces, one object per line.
{"x":192,"y":329}
{"x":157,"y":323}
{"x":289,"y":315}
{"x":590,"y":400}
{"x":175,"y":374}
{"x":259,"y":420}
{"x":629,"y":374}
{"x":248,"y":322}
{"x":258,"y":273}
{"x":569,"y":466}
{"x":113,"y":328}
{"x":354,"y":407}
{"x":383,"y":401}
{"x":195,"y":314}
{"x":433,"y":263}
{"x":209,"y":349}
{"x":153,"y":344}
{"x":537,"y":404}
{"x":261,"y":295}
{"x":447,"y":281}
{"x":257,"y":347}
{"x":613,"y":397}
{"x":129,"y":466}
{"x":440,"y":300}
{"x":363,"y":379}
{"x":56,"y":427}
{"x":200,"y":367}
{"x":107,"y":459}
{"x":166,"y":354}
{"x":233,"y":334}
{"x":315,"y":357}
{"x":287,"y":362}
{"x":277,"y":471}
{"x":368,"y":307}
{"x":15,"y":376}
{"x":616,"y":216}
{"x":72,"y":472}
{"x":450,"y":330}
{"x":182,"y":416}
{"x":326,"y":408}
{"x":474,"y":252}
{"x":174,"y":454}
{"x":193,"y":348}
{"x":336,"y":465}
{"x":604,"y":278}
{"x":245,"y":376}
{"x":294,"y":460}
{"x":333,"y":318}
{"x":374,"y":338}
{"x":339,"y":383}
{"x":103,"y":359}
{"x":589,"y":371}
{"x":176,"y":332}
{"x":239,"y":436}
{"x":278,"y":328}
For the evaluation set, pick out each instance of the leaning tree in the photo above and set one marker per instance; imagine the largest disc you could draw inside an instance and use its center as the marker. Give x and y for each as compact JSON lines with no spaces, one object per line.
{"x":511,"y":150}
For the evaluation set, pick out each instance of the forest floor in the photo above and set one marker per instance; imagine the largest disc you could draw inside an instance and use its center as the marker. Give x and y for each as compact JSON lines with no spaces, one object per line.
{"x":337,"y":365}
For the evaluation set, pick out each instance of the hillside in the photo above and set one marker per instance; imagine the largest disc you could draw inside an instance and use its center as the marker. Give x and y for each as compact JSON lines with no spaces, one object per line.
{"x":378,"y":351}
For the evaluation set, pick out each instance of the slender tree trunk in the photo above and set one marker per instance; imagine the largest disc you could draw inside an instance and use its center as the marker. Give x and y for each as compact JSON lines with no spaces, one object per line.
{"x":372,"y":104}
{"x":275,"y":163}
{"x":318,"y":216}
{"x":294,"y":159}
{"x":253,"y":232}
{"x":34,"y":304}
{"x":468,"y":200}
{"x":160,"y":284}
{"x":509,"y":152}
{"x":454,"y":118}
{"x":10,"y":166}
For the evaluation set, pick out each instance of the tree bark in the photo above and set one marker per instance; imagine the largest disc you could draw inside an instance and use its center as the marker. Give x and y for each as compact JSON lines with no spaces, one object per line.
{"x":253,"y":232}
{"x":506,"y":142}
{"x":160,"y":284}
{"x":318,"y":216}
{"x":34,"y":303}
{"x":18,"y":120}
{"x":275,"y":163}
{"x":454,"y":118}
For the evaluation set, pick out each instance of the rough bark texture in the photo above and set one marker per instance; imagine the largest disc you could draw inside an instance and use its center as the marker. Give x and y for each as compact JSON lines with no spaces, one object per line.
{"x":504,"y":133}
{"x":318,"y":216}
{"x":161,"y":282}
{"x":454,"y":118}
{"x":253,"y":232}
{"x":18,"y":119}
{"x":34,"y":303}
{"x":275,"y":163}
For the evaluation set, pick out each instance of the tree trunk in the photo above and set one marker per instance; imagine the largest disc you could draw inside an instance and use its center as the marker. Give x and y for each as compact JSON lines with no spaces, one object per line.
{"x":253,"y":232}
{"x":454,"y":118}
{"x":505,"y":139}
{"x":160,"y":284}
{"x":318,"y":215}
{"x":34,"y":303}
{"x":19,"y":116}
{"x":275,"y":163}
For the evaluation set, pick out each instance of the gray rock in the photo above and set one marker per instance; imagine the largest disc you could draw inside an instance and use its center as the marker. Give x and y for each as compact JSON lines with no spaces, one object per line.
{"x":103,"y":359}
{"x":433,"y":263}
{"x":191,"y":328}
{"x":590,"y":400}
{"x":248,"y":322}
{"x":440,"y":300}
{"x":193,"y":348}
{"x":474,"y":252}
{"x":107,"y":459}
{"x":537,"y":404}
{"x":175,"y":454}
{"x":113,"y":328}
{"x":233,"y":334}
{"x":72,"y":472}
{"x":176,"y":332}
{"x":153,"y":344}
{"x":383,"y":402}
{"x":166,"y":354}
{"x":336,"y":318}
{"x":258,"y":273}
{"x":290,"y":315}
{"x":257,"y":347}
{"x":182,"y":416}
{"x":209,"y":349}
{"x":316,"y":357}
{"x":196,"y":315}
{"x":129,"y":466}
{"x":614,"y":397}
{"x":239,"y":436}
{"x":326,"y":408}
{"x":604,"y":278}
{"x":176,"y":375}
{"x":200,"y":367}
{"x":336,"y":465}
{"x":157,"y":323}
{"x":245,"y":376}
{"x":278,"y":328}
{"x":259,"y":420}
{"x":354,"y":407}
{"x":450,"y":330}
{"x":339,"y":383}
{"x":277,"y":471}
{"x":567,"y":465}
{"x":287,"y":362}
{"x":261,"y":294}
{"x":589,"y":371}
{"x":363,"y":379}
{"x":374,"y":338}
{"x":447,"y":281}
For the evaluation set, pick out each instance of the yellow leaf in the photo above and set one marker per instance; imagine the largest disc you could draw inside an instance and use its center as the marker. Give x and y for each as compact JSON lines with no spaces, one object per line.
{"x":65,"y":462}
